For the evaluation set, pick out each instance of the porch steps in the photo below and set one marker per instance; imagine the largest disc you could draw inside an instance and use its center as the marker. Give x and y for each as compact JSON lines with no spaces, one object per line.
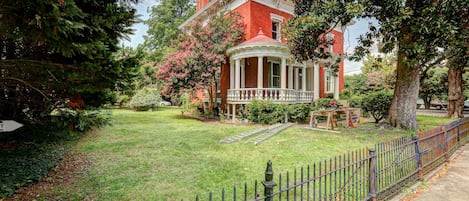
{"x":270,"y":133}
{"x":237,"y":138}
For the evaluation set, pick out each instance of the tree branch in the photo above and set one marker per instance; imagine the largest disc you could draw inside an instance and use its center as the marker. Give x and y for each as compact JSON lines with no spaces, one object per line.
{"x":27,"y":84}
{"x":37,"y":62}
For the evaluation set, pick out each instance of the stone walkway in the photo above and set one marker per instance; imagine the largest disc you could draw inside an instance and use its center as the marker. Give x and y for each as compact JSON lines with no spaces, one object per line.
{"x":267,"y":135}
{"x":452,"y":184}
{"x":263,"y":134}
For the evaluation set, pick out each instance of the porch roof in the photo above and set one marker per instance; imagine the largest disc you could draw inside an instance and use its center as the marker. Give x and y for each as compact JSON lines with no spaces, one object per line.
{"x":260,"y":45}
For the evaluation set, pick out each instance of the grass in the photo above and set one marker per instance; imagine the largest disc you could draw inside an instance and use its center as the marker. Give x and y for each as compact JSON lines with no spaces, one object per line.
{"x":427,"y":122}
{"x":163,"y":156}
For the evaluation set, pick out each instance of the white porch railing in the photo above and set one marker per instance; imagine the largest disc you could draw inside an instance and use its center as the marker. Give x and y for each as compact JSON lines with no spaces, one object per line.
{"x":247,"y":95}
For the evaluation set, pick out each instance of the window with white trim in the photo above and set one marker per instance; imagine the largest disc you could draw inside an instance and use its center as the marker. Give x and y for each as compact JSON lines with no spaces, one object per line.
{"x":274,"y":75}
{"x":276,"y":30}
{"x":330,"y":37}
{"x":329,"y":80}
{"x":276,"y":26}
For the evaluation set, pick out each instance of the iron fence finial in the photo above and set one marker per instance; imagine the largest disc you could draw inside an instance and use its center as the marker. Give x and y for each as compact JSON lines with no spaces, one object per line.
{"x":269,"y":184}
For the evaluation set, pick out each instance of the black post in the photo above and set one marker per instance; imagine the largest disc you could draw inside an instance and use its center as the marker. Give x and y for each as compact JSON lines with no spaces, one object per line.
{"x":372,"y":175}
{"x":418,"y":156}
{"x":269,"y":184}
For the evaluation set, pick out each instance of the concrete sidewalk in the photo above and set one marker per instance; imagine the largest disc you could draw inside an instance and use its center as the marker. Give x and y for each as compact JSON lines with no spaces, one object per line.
{"x":450,"y":184}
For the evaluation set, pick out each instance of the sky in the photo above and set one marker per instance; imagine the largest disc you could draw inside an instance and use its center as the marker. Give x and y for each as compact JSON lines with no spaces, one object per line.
{"x":350,"y":35}
{"x":350,"y":42}
{"x":140,"y":29}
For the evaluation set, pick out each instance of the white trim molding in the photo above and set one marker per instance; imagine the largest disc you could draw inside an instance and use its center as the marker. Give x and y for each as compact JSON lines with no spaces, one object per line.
{"x":199,"y":13}
{"x":255,"y":50}
{"x":275,"y":17}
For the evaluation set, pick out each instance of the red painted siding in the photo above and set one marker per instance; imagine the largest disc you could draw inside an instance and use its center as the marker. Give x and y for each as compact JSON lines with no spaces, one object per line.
{"x":244,"y":11}
{"x":251,"y":73}
{"x":339,"y":49}
{"x":260,"y":17}
{"x":224,"y":83}
{"x":200,"y":4}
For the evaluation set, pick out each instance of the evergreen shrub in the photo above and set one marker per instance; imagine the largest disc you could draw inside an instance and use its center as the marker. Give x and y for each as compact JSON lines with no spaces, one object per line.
{"x":377,"y":104}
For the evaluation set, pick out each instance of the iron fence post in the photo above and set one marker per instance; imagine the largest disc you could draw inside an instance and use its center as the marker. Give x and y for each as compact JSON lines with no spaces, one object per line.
{"x":372,"y":175}
{"x":269,"y":184}
{"x":418,"y":156}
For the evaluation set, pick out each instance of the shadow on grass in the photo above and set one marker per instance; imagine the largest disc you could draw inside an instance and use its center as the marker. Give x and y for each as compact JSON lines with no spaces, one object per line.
{"x":189,"y":116}
{"x":164,"y":108}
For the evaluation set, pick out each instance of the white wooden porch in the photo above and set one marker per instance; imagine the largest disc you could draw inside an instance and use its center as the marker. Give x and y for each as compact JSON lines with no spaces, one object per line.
{"x":276,"y":95}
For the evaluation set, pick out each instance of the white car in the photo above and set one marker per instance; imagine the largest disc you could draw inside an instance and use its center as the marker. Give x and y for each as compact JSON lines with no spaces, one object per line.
{"x":165,"y":103}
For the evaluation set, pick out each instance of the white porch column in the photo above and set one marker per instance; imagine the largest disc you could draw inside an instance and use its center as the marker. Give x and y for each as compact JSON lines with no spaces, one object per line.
{"x":311,"y":79}
{"x":316,"y":81}
{"x":336,"y":87}
{"x":243,"y":74}
{"x":232,"y":73}
{"x":303,"y":78}
{"x":283,"y":78}
{"x":283,"y":73}
{"x":290,"y":76}
{"x":237,"y":73}
{"x":296,"y":79}
{"x":234,"y":113}
{"x":260,"y":72}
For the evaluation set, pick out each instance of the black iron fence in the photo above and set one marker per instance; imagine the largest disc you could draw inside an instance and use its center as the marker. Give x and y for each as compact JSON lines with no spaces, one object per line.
{"x":377,"y":173}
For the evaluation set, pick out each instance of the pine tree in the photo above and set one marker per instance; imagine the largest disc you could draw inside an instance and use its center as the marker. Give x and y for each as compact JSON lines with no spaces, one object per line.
{"x":52,"y":52}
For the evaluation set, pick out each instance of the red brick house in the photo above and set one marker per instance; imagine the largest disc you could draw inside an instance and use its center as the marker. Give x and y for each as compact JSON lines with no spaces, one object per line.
{"x":261,"y":67}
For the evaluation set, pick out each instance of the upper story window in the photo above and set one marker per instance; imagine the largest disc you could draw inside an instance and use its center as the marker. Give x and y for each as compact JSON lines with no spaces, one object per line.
{"x":276,"y":30}
{"x":276,"y":26}
{"x":330,"y":37}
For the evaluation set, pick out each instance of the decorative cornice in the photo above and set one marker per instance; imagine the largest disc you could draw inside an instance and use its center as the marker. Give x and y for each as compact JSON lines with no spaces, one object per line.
{"x":200,"y":12}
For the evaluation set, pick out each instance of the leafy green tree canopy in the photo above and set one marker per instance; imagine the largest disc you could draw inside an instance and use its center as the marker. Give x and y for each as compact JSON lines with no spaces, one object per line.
{"x":380,"y":72}
{"x":163,"y":24}
{"x":54,"y":52}
{"x":434,"y":86}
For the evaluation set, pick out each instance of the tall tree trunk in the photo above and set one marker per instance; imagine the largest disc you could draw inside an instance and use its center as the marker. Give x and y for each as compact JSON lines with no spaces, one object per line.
{"x":455,"y":92}
{"x":210,"y":101}
{"x":403,"y":106}
{"x":212,"y":91}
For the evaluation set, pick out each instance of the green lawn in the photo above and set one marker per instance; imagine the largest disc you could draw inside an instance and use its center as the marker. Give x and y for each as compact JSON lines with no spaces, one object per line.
{"x":427,"y":122}
{"x":161,"y":156}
